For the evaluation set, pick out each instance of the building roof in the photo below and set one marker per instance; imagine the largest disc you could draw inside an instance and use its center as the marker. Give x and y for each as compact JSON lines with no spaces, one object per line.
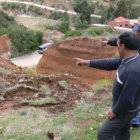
{"x":121,"y":19}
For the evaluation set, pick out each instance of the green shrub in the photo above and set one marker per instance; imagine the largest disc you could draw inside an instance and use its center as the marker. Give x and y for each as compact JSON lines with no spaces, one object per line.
{"x":39,"y":36}
{"x":102,"y":83}
{"x":4,"y":71}
{"x":49,"y":27}
{"x":5,"y":6}
{"x":5,"y":20}
{"x":90,"y":31}
{"x":63,"y":27}
{"x":109,"y":29}
{"x":73,"y":33}
{"x":81,"y":24}
{"x":24,"y":40}
{"x":3,"y":31}
{"x":59,"y":15}
{"x":98,"y":30}
{"x":29,"y":71}
{"x":38,"y":11}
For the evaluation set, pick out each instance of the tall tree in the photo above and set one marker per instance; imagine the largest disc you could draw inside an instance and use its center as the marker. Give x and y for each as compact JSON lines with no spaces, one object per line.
{"x":123,"y":8}
{"x":84,"y":8}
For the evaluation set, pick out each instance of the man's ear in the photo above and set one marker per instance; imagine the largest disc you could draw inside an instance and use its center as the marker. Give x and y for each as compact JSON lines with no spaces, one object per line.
{"x":124,"y":47}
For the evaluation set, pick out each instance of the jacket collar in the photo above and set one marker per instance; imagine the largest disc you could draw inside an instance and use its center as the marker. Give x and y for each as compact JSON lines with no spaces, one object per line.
{"x":127,"y":60}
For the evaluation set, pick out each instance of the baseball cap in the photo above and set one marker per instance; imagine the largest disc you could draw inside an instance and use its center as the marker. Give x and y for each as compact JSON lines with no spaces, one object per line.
{"x":137,"y":28}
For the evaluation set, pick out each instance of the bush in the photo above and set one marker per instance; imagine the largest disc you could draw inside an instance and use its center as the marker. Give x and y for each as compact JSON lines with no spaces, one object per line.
{"x":98,"y":30}
{"x":81,"y":24}
{"x":24,"y":41}
{"x":38,"y":11}
{"x":73,"y":33}
{"x":90,"y":31}
{"x":3,"y":31}
{"x":50,"y":27}
{"x":5,"y":6}
{"x":5,"y":20}
{"x":39,"y":36}
{"x":63,"y":27}
{"x":109,"y":29}
{"x":59,"y":15}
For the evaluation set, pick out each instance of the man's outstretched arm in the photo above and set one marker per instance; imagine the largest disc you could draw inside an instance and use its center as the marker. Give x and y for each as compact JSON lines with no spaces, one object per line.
{"x":111,"y":42}
{"x":103,"y":64}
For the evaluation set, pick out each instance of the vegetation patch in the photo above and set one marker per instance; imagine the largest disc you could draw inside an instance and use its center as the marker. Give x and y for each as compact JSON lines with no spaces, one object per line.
{"x":29,"y":71}
{"x":88,"y":94}
{"x":4,"y":71}
{"x":101,"y":84}
{"x":24,"y":41}
{"x":45,"y":90}
{"x":38,"y":102}
{"x":63,"y":84}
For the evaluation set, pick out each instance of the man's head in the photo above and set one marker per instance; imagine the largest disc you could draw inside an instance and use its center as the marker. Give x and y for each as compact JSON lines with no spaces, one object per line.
{"x":137,"y":30}
{"x":127,"y":42}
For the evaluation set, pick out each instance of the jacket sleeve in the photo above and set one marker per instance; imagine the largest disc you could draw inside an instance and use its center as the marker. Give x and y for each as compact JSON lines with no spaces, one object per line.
{"x":105,"y":64}
{"x":112,"y":41}
{"x":127,"y":96}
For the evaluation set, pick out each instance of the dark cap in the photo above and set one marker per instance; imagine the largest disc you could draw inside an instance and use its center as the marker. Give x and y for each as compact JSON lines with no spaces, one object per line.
{"x":137,"y":28}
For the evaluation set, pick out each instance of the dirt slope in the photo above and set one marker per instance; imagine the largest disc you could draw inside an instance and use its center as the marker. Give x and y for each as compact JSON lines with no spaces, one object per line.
{"x":4,"y":44}
{"x":59,"y":58}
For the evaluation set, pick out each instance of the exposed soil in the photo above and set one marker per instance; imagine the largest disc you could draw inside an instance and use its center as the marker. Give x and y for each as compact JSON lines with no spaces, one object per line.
{"x":18,"y":85}
{"x":4,"y":44}
{"x":67,"y":98}
{"x":59,"y":58}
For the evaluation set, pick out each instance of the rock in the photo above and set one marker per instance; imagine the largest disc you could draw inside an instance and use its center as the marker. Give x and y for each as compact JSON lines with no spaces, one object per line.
{"x":50,"y":135}
{"x":57,"y":138}
{"x":101,"y":115}
{"x":76,"y":101}
{"x":2,"y":98}
{"x":23,"y":113}
{"x":91,"y":128}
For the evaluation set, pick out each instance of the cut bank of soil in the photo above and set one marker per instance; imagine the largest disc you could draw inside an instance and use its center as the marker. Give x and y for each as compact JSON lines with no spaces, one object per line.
{"x":28,"y":87}
{"x":4,"y":44}
{"x":59,"y":58}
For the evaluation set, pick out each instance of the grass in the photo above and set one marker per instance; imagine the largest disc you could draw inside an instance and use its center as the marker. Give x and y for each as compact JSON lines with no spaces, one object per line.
{"x":80,"y":123}
{"x":45,"y":90}
{"x":102,"y":83}
{"x":63,"y":84}
{"x":29,"y":71}
{"x":4,"y":71}
{"x":88,"y":94}
{"x":137,"y":2}
{"x":39,"y":102}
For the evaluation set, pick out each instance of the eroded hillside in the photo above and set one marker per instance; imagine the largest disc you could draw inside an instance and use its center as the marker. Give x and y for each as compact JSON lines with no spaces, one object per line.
{"x":59,"y":58}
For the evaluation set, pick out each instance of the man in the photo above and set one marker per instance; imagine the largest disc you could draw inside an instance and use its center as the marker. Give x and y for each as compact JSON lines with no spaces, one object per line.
{"x":135,"y":123}
{"x":126,"y":89}
{"x":113,"y":41}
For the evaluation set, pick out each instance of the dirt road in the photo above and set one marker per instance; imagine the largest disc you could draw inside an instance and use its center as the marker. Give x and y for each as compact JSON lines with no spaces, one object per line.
{"x":44,"y":7}
{"x":29,"y":60}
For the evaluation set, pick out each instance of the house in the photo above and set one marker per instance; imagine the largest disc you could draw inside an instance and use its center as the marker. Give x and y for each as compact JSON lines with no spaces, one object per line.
{"x":120,"y":21}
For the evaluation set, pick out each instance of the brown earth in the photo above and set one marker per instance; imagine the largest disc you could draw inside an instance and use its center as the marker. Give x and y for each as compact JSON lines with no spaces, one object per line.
{"x":59,"y":58}
{"x":4,"y":44}
{"x":18,"y":85}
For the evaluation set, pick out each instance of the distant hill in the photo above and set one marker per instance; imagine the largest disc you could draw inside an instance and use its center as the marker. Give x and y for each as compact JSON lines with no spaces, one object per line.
{"x":25,"y":41}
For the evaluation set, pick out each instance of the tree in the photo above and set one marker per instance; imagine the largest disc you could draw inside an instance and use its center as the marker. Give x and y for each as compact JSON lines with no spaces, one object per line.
{"x":123,"y":8}
{"x":63,"y":27}
{"x":84,"y":8}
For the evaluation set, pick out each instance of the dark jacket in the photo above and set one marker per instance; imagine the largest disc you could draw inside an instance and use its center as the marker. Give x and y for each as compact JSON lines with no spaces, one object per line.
{"x":113,"y":42}
{"x":126,"y":88}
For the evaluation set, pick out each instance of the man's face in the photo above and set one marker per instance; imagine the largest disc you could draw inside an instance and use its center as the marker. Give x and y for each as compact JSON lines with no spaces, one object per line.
{"x":120,"y":48}
{"x":137,"y":33}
